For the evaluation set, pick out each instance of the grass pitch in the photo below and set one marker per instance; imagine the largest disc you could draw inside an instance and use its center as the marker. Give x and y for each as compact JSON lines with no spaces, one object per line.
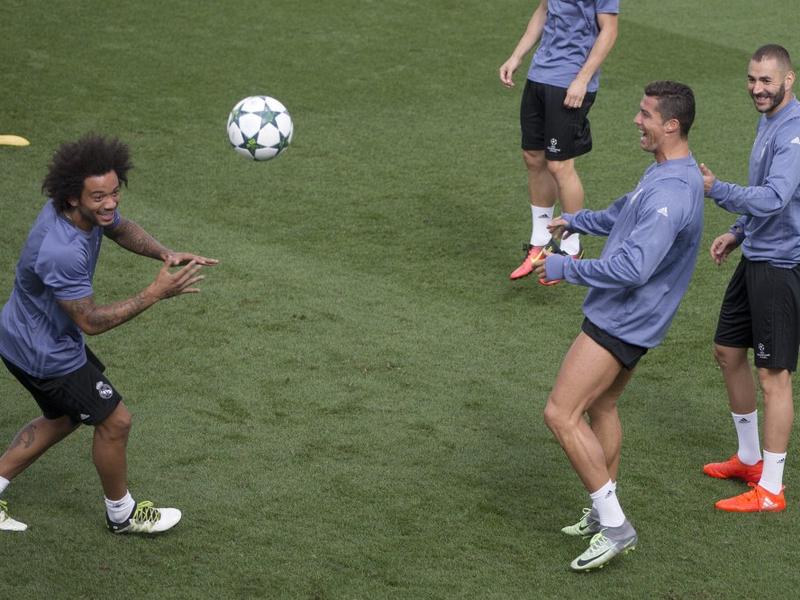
{"x":352,"y":407}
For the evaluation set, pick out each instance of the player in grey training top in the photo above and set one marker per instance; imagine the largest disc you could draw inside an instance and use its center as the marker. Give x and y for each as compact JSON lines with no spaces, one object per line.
{"x":562,"y":82}
{"x":761,"y":308}
{"x":635,"y":288}
{"x":51,"y":307}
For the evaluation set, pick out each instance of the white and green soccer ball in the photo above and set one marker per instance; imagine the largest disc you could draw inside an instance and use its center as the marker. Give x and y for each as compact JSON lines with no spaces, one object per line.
{"x":260,"y":128}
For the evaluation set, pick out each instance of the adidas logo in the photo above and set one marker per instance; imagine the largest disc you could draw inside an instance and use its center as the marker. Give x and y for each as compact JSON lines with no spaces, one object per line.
{"x":663,"y":211}
{"x":767,"y":503}
{"x":795,"y":141}
{"x":744,"y":420}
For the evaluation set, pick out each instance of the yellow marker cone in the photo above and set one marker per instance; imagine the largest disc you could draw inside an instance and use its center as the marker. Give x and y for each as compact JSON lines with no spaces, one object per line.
{"x":13,"y":140}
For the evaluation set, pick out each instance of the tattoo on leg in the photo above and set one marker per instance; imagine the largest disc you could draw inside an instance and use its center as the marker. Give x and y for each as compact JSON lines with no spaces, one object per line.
{"x":25,"y":437}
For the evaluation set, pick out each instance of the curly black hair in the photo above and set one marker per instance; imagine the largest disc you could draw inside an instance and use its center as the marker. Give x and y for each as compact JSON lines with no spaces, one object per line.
{"x":73,"y":162}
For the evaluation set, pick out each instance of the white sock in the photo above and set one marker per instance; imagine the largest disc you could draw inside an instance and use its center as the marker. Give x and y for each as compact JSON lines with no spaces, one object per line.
{"x":572,"y":244}
{"x":119,"y":510}
{"x":595,"y":514}
{"x":772,"y":475}
{"x":607,"y":505}
{"x":747,"y":431}
{"x":3,"y":484}
{"x":540,"y":219}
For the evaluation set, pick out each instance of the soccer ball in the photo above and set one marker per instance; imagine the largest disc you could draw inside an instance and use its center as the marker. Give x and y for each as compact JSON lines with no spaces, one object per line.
{"x":260,"y":128}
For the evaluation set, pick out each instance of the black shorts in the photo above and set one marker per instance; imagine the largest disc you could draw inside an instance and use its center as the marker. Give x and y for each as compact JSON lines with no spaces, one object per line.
{"x":760,"y":311}
{"x":85,"y":395}
{"x":627,"y":354}
{"x":548,"y":125}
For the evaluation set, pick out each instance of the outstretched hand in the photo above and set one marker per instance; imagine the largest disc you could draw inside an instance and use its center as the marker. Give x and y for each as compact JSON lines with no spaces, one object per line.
{"x":183,"y":258}
{"x":168,"y":284}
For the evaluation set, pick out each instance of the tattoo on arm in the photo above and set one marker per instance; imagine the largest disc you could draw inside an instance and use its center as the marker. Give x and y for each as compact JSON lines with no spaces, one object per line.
{"x":132,"y":237}
{"x":94,"y":319}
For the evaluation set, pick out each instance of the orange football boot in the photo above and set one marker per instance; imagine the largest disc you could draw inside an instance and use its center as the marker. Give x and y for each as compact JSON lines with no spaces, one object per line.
{"x":733,"y":468}
{"x":756,"y":500}
{"x":532,"y":253}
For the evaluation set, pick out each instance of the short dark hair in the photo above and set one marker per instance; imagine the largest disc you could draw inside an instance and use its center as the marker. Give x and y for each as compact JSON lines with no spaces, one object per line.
{"x":73,"y":162}
{"x":779,"y":53}
{"x":675,"y":101}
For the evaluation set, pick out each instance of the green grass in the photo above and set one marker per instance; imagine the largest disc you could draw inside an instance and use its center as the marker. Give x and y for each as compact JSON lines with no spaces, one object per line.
{"x":352,"y":407}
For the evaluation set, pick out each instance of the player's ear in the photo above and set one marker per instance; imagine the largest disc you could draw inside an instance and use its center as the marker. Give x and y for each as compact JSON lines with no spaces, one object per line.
{"x":672,"y":125}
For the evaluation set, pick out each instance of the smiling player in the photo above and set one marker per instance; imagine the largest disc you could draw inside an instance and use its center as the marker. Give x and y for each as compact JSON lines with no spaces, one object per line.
{"x":51,"y":307}
{"x":762,"y":303}
{"x":635,"y":288}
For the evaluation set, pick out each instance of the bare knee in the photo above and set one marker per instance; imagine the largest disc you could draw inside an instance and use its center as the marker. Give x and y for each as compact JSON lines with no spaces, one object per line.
{"x":560,"y":169}
{"x":534,"y":160}
{"x":775,"y":383}
{"x":728,"y":357}
{"x":116,"y":426}
{"x":556,"y":418}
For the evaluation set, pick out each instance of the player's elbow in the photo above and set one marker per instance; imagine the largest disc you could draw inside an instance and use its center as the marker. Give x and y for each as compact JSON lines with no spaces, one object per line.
{"x":92,"y":330}
{"x":772,"y":202}
{"x":632,"y":279}
{"x":630,"y":276}
{"x":89,"y":327}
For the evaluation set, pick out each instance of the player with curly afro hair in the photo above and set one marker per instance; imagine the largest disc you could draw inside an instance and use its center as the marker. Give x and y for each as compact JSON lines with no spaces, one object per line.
{"x":52,"y":306}
{"x":74,"y":161}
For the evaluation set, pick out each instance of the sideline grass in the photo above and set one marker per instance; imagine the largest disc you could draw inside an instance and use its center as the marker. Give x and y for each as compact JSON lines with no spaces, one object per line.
{"x":351,"y":408}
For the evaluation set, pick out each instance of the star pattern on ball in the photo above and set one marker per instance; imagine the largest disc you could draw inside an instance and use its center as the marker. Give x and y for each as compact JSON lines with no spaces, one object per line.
{"x":235,"y":114}
{"x":267,"y":116}
{"x":255,"y":136}
{"x":251,"y":145}
{"x":283,"y":142}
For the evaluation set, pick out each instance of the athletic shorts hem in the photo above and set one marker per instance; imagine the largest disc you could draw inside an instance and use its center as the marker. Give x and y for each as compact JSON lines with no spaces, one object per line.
{"x":627,"y":354}
{"x":558,"y":157}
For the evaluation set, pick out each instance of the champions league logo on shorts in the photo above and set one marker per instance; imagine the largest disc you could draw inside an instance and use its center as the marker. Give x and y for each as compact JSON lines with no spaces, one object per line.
{"x":104,"y":390}
{"x":553,"y":147}
{"x":762,"y":352}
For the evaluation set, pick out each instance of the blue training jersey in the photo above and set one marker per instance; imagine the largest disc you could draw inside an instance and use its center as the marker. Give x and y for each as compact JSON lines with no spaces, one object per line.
{"x":570,"y":31}
{"x":57,"y":263}
{"x":645,"y":267}
{"x":770,"y":204}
